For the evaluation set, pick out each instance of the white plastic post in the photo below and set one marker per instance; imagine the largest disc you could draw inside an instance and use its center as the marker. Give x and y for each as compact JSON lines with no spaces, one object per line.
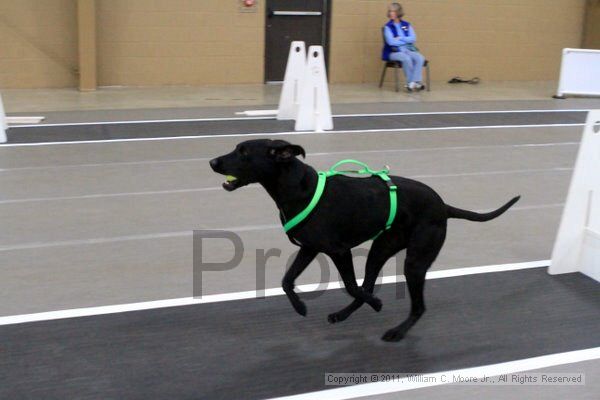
{"x":577,"y":246}
{"x":289,"y":101}
{"x":3,"y":123}
{"x":315,"y":108}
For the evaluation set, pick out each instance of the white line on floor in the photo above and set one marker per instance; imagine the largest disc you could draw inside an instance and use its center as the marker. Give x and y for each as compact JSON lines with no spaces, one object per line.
{"x":439,"y":378}
{"x":159,"y":121}
{"x":217,"y":188}
{"x":198,"y":159}
{"x":291,"y":133}
{"x":93,"y":241}
{"x":500,"y":172}
{"x":112,"y":195}
{"x":151,"y":236}
{"x":459,"y":113}
{"x":216,"y":298}
{"x":146,"y":121}
{"x":533,"y":207}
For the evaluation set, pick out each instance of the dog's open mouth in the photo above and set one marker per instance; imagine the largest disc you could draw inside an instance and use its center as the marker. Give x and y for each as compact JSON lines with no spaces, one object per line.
{"x":231,"y":183}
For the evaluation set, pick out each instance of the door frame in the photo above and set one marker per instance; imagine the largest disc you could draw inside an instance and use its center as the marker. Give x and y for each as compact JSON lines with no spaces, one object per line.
{"x":325,"y":35}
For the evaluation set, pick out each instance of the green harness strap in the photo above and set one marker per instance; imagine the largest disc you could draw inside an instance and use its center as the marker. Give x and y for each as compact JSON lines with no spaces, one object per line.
{"x":322,"y":178}
{"x":313,"y":203}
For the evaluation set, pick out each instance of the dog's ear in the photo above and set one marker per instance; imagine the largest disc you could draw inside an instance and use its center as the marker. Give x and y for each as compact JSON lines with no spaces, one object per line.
{"x":283,"y":151}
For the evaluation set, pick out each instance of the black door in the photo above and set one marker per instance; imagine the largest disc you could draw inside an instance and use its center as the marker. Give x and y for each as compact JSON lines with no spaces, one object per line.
{"x":289,"y":20}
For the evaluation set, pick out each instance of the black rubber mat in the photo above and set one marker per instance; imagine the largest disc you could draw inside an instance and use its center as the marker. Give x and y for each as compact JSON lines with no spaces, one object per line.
{"x":259,"y":348}
{"x":39,"y":134}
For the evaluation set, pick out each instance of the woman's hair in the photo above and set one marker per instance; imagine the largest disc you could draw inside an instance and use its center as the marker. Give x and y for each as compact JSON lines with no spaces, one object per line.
{"x":396,"y":7}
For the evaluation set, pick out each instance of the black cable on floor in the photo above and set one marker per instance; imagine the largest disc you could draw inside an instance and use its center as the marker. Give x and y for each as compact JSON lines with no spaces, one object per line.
{"x":458,"y":79}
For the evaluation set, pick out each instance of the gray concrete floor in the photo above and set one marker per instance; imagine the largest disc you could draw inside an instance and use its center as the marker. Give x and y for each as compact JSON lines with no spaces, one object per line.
{"x":109,"y":223}
{"x":589,"y":391}
{"x":244,"y":95}
{"x":143,"y":114}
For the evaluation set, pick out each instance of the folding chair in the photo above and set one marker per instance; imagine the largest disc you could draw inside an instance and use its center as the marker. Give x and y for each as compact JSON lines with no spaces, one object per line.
{"x":397,"y":65}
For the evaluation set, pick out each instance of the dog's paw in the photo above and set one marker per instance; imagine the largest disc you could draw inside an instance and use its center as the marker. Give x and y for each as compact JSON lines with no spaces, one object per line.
{"x":300,"y":307}
{"x":336,"y":317}
{"x":393,"y":335}
{"x":376,"y":304}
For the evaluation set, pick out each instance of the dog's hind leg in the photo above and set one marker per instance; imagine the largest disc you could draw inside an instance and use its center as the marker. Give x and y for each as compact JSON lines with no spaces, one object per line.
{"x":303,"y":258}
{"x":424,"y":246}
{"x":382,"y":249}
{"x":345,"y":267}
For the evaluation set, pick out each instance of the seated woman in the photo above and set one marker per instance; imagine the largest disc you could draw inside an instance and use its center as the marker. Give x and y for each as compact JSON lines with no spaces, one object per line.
{"x":399,"y":45}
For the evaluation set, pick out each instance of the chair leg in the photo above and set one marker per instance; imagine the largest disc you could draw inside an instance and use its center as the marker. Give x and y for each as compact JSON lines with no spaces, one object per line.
{"x":397,"y":76}
{"x":382,"y":74}
{"x":428,"y":79}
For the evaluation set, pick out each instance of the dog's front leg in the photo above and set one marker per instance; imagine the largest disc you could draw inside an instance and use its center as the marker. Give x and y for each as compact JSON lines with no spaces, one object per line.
{"x":344,"y":265}
{"x":304,"y":257}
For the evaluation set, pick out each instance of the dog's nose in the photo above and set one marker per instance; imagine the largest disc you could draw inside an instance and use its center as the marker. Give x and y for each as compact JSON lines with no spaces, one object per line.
{"x":214,"y":163}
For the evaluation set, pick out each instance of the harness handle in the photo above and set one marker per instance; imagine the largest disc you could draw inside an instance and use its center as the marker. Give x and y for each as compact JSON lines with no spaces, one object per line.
{"x":366,"y":170}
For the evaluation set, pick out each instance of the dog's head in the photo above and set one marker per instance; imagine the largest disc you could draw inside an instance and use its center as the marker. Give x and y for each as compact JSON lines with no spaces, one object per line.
{"x":255,"y":161}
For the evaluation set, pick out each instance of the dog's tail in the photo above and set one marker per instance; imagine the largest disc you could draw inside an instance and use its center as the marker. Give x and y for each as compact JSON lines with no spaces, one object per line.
{"x":454,"y":212}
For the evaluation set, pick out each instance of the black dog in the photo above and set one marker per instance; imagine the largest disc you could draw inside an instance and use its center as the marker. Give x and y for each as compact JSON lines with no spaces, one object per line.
{"x":350,"y":212}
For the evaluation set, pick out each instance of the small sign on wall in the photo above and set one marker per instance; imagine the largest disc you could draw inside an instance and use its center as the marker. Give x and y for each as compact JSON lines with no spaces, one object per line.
{"x":248,"y":6}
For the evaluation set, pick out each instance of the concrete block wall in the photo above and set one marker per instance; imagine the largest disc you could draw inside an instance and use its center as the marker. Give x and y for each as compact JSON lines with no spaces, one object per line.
{"x":198,"y":42}
{"x":591,"y":34}
{"x":179,"y":42}
{"x":491,"y":39}
{"x":38,"y":43}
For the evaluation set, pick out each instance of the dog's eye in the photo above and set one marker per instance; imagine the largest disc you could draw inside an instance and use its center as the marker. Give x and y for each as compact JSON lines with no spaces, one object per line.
{"x":243,"y":151}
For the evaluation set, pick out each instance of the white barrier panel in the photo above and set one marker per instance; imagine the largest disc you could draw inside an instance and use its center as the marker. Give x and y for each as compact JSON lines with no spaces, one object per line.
{"x":257,"y":113}
{"x":579,"y":72}
{"x":289,"y":101}
{"x":3,"y":123}
{"x":24,"y":120}
{"x":577,"y":246}
{"x":315,"y":108}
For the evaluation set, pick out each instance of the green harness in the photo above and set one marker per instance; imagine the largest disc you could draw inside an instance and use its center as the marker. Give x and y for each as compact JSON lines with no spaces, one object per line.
{"x":323,"y":175}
